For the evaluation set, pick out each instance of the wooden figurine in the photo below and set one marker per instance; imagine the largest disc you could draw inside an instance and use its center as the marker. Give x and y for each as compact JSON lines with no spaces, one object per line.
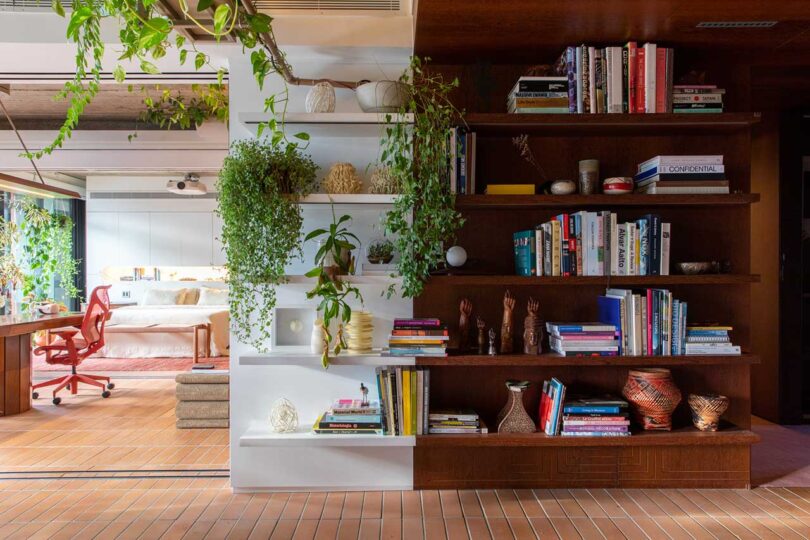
{"x":532,"y":330}
{"x":482,"y":338}
{"x":465,"y":310}
{"x":507,"y":326}
{"x":492,"y":350}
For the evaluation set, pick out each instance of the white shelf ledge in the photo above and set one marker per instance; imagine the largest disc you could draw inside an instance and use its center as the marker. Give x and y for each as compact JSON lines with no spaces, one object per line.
{"x":353,"y":124}
{"x":349,"y":198}
{"x":354,"y":280}
{"x":259,"y":435}
{"x":303,"y":357}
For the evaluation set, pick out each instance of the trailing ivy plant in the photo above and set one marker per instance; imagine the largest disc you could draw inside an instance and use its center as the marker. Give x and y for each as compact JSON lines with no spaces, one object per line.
{"x":259,"y":186}
{"x":332,"y":259}
{"x":423,"y":217}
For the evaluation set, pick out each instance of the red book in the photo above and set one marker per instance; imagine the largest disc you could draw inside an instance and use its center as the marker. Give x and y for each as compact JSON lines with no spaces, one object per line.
{"x":543,"y":410}
{"x":632,"y":75}
{"x":640,"y":80}
{"x":660,"y":80}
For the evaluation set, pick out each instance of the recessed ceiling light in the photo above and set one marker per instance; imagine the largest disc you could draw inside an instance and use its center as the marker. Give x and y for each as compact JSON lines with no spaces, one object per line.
{"x":736,"y":24}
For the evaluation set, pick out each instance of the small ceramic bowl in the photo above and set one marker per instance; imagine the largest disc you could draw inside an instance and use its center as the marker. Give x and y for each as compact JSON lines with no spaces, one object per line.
{"x":617,"y":185}
{"x":694,"y":268}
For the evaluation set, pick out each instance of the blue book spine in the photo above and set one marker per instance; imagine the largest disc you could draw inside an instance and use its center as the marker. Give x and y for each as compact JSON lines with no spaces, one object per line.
{"x":644,"y":247}
{"x":570,"y":69}
{"x":353,"y":418}
{"x":707,"y":332}
{"x":676,"y":327}
{"x":684,"y":307}
{"x":600,"y":409}
{"x":525,"y":260}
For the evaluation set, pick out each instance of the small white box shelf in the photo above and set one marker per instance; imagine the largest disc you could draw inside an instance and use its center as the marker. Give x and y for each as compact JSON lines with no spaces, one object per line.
{"x":353,"y":124}
{"x":259,"y":435}
{"x":303,"y":357}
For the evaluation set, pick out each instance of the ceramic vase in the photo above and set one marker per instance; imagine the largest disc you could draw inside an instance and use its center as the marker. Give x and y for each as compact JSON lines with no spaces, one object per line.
{"x":513,"y":418}
{"x":321,"y":98}
{"x":316,"y":341}
{"x":381,"y":96}
{"x":654,"y":396}
{"x":707,"y":410}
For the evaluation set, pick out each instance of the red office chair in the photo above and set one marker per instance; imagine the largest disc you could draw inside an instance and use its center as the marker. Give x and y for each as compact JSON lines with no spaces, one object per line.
{"x":71,"y":350}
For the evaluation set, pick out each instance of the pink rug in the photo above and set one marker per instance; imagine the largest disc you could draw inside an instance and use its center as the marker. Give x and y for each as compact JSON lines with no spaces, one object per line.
{"x":132,"y":364}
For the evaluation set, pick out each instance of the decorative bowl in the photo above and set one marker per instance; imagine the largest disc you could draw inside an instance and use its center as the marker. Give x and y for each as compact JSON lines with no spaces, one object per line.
{"x":381,"y":96}
{"x":617,"y":185}
{"x":697,"y":267}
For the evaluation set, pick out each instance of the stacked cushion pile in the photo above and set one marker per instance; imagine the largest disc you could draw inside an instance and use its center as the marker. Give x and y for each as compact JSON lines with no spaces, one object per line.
{"x":202,"y":399}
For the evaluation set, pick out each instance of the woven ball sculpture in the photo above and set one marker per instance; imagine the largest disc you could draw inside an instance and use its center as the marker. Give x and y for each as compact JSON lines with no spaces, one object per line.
{"x":654,"y":396}
{"x":321,"y":98}
{"x":384,"y":182}
{"x":342,"y":178}
{"x":283,"y":416}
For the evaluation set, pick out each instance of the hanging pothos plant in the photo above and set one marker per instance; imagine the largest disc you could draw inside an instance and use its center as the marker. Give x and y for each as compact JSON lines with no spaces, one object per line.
{"x":423,"y":217}
{"x":259,"y":186}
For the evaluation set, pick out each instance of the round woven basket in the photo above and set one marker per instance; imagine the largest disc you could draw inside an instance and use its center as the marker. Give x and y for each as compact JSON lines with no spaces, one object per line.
{"x":654,"y":396}
{"x":707,"y":410}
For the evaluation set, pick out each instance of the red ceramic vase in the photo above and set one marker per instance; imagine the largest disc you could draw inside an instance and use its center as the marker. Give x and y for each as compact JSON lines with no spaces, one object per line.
{"x":654,"y":396}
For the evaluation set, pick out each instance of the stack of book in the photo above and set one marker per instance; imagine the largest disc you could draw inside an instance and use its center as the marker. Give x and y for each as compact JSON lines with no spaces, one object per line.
{"x":711,"y":339}
{"x":584,"y":339}
{"x":594,"y":244}
{"x":550,"y":412}
{"x":404,"y":394}
{"x":351,"y":417}
{"x":461,"y":157}
{"x":455,"y":421}
{"x":628,"y":79}
{"x":538,"y":95}
{"x":650,"y":322}
{"x":418,"y":337}
{"x":663,"y":175}
{"x":697,"y":99}
{"x":595,"y":417}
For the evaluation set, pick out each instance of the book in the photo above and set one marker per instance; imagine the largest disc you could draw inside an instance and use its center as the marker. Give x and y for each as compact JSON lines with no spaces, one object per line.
{"x":326,"y":424}
{"x":460,"y":415}
{"x":593,"y":434}
{"x":524,"y":252}
{"x":679,"y":169}
{"x":596,"y":428}
{"x":655,"y":188}
{"x":540,"y":84}
{"x":355,"y":406}
{"x":362,"y":418}
{"x":680,"y":160}
{"x":417,"y":323}
{"x":510,"y":189}
{"x":650,"y":58}
{"x":402,"y":333}
{"x":556,"y":327}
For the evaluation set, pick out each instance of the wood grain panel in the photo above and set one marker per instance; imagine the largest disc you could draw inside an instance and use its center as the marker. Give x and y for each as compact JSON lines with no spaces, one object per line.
{"x":12,"y":375}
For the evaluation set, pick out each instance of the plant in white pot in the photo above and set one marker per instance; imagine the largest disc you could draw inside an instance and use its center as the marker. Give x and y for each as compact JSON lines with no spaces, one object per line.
{"x":381,"y":96}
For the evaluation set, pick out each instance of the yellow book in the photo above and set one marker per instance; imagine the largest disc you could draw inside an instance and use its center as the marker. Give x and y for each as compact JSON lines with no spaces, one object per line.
{"x":510,"y":189}
{"x":406,"y":402}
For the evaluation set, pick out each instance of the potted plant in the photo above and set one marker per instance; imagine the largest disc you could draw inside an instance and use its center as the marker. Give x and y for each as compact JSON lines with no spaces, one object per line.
{"x":380,"y":251}
{"x":333,"y":259}
{"x":259,"y":187}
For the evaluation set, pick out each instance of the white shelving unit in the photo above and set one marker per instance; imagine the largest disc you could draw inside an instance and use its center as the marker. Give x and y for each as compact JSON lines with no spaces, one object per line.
{"x":293,"y":357}
{"x":259,"y":435}
{"x":352,"y":124}
{"x":353,"y":280}
{"x":351,"y":198}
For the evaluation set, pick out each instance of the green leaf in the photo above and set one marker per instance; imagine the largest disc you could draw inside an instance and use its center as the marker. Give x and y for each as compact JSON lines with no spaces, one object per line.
{"x":202,"y":5}
{"x":57,"y":8}
{"x":302,"y":136}
{"x":199,"y":60}
{"x":259,"y":23}
{"x":179,"y":41}
{"x":149,"y":67}
{"x":183,"y":55}
{"x":315,"y":272}
{"x":315,"y":233}
{"x":77,"y":19}
{"x":119,"y":74}
{"x":221,"y":16}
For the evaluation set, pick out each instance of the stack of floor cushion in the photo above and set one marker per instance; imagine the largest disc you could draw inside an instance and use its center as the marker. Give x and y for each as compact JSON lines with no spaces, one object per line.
{"x":202,"y":399}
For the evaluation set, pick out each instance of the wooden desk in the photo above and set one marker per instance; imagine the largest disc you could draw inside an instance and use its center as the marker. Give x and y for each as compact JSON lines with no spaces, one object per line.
{"x":15,"y":356}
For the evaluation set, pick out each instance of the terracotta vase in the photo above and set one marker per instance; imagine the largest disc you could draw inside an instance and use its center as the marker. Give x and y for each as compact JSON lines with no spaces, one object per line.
{"x":654,"y":396}
{"x":513,"y":418}
{"x":707,"y":410}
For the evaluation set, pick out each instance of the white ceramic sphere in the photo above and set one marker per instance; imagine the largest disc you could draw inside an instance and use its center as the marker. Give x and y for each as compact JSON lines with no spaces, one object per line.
{"x":321,"y":98}
{"x":456,"y":256}
{"x":563,"y":187}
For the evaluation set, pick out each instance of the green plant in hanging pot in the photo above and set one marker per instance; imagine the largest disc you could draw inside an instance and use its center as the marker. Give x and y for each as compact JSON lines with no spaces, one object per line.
{"x":423,"y":217}
{"x":333,"y":259}
{"x":260,"y":185}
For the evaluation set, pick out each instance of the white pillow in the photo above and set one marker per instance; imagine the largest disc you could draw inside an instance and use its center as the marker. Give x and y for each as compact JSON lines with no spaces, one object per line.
{"x":160,"y":297}
{"x":213,"y":297}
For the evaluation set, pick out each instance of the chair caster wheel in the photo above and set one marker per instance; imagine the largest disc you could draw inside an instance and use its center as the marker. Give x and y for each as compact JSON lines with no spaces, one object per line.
{"x":57,"y":400}
{"x":35,"y":395}
{"x":105,"y":394}
{"x":110,"y":386}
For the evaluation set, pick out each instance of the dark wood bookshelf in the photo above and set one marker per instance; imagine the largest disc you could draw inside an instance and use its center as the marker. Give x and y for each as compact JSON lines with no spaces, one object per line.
{"x":573,"y":281}
{"x":469,"y":202}
{"x":554,"y":360}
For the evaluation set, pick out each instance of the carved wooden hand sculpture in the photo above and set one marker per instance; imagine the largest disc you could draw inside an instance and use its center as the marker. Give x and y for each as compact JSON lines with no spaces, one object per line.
{"x":506,"y":325}
{"x":531,"y":328}
{"x":465,"y":310}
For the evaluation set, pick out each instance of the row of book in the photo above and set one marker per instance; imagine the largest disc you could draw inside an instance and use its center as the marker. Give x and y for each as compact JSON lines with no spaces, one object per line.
{"x":461,"y":166}
{"x":682,"y":174}
{"x":581,"y":417}
{"x":418,"y":337}
{"x":404,"y":399}
{"x":351,"y":417}
{"x":697,"y":99}
{"x":707,"y":340}
{"x":593,"y":244}
{"x":583,"y":339}
{"x":628,"y":79}
{"x":455,"y":421}
{"x":650,"y":322}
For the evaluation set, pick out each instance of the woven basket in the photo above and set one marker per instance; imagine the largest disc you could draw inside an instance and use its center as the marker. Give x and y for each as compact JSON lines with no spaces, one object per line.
{"x":654,"y":396}
{"x":707,"y":410}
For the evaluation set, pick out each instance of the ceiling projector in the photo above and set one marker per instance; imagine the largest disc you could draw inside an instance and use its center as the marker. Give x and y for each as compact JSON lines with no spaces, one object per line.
{"x":189,"y":185}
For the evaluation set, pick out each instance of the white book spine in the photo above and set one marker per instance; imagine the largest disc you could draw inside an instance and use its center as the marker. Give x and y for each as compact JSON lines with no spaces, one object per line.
{"x":632,"y":234}
{"x":614,"y":245}
{"x":665,"y":242}
{"x":681,"y":160}
{"x":538,"y":251}
{"x":649,"y":77}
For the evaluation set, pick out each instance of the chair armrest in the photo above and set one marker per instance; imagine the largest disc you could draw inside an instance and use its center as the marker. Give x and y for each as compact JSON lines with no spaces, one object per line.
{"x":65,"y":333}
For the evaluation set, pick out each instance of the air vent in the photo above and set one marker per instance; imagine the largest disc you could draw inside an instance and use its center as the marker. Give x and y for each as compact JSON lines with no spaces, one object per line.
{"x":385,"y":6}
{"x":130,"y":195}
{"x":737,"y":24}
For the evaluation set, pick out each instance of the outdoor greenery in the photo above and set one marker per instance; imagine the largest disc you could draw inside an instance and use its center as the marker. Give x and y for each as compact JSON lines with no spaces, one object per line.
{"x":259,"y":187}
{"x":423,"y":217}
{"x":332,"y":259}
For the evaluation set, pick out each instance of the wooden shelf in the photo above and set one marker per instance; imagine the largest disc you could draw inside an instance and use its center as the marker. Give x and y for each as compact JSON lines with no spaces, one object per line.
{"x":555,"y":360}
{"x":687,"y":436}
{"x":556,"y":281}
{"x":259,"y":434}
{"x":598,"y":124}
{"x":517,"y":202}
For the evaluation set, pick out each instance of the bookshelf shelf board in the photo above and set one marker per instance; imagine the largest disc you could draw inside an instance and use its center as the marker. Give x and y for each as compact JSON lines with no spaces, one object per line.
{"x":303,"y":357}
{"x":259,"y":434}
{"x":652,"y":281}
{"x":599,"y":124}
{"x":353,"y":124}
{"x":555,"y":360}
{"x":470,"y":202}
{"x":686,"y":436}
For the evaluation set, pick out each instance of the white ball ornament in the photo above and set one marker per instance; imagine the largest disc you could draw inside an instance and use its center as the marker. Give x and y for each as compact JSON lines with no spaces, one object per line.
{"x":456,"y":256}
{"x":321,"y":98}
{"x":283,"y":416}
